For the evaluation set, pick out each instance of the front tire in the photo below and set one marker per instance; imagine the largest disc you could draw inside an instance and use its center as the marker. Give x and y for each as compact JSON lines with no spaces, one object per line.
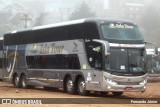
{"x":82,"y":87}
{"x":16,"y":82}
{"x":70,"y":87}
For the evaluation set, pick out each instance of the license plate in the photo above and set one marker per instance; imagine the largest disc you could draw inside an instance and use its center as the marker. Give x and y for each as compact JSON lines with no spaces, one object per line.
{"x":128,"y":88}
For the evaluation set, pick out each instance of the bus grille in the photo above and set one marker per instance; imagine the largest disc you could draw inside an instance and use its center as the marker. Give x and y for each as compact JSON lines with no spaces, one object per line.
{"x":128,"y":83}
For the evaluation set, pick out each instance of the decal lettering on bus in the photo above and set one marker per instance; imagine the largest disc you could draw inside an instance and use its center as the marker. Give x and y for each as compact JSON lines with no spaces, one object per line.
{"x":45,"y":49}
{"x":75,"y":49}
{"x":57,"y":49}
{"x":112,"y":25}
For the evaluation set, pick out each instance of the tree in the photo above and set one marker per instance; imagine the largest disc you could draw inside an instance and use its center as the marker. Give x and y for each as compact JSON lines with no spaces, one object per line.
{"x":39,"y":21}
{"x":83,"y":11}
{"x":150,"y":23}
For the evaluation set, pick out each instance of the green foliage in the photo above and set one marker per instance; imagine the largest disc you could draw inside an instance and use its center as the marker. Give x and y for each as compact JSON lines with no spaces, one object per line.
{"x":83,"y":11}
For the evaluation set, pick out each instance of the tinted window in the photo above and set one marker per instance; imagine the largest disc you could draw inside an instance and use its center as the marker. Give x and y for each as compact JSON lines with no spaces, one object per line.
{"x":53,"y":62}
{"x":94,"y":54}
{"x":0,"y":62}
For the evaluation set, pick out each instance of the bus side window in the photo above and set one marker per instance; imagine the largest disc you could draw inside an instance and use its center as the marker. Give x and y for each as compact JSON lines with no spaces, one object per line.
{"x":53,"y":62}
{"x":94,"y":54}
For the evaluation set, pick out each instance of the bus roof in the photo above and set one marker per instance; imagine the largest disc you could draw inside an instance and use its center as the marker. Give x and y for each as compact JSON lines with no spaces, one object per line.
{"x":79,"y":21}
{"x":77,"y":29}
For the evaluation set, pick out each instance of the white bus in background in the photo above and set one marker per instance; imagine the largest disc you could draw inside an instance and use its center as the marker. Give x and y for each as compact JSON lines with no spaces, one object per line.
{"x":1,"y":58}
{"x":79,"y":56}
{"x":153,"y":65}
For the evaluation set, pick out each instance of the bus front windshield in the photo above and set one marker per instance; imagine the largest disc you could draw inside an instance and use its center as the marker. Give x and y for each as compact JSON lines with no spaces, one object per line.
{"x":125,"y":60}
{"x":115,"y":31}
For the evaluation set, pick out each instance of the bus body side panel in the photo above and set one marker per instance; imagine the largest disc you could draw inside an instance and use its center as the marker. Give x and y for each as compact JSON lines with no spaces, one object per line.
{"x":53,"y":74}
{"x":14,"y":62}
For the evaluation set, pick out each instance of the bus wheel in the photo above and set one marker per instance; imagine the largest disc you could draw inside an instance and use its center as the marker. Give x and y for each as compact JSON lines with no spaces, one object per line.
{"x":16,"y":81}
{"x":82,"y":87}
{"x":23,"y":82}
{"x":70,"y":88}
{"x":117,"y":93}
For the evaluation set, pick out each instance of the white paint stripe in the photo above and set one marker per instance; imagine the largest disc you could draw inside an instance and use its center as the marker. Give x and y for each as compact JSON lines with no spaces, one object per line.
{"x":53,"y":79}
{"x":32,"y":78}
{"x":13,"y":63}
{"x":8,"y":68}
{"x":59,"y":24}
{"x":42,"y":79}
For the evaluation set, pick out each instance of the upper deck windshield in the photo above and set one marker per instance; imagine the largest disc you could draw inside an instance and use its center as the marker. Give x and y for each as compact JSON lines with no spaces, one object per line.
{"x":116,"y":31}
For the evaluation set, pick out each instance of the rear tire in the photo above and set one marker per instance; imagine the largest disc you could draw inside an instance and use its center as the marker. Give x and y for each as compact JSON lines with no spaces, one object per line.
{"x":117,"y":93}
{"x":16,"y":81}
{"x":23,"y":82}
{"x":82,"y":87}
{"x":70,"y":87}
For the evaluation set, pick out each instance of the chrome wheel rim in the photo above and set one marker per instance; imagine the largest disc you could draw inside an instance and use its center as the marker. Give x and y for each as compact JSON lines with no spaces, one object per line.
{"x":16,"y":80}
{"x":69,"y":85}
{"x":23,"y":83}
{"x":82,"y":86}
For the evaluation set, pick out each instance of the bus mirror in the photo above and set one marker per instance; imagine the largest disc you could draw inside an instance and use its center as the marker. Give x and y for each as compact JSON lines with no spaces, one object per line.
{"x":107,"y":49}
{"x":106,"y":53}
{"x":105,"y":44}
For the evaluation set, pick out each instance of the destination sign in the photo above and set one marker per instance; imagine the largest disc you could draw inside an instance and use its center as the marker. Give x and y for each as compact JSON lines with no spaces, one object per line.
{"x":112,"y":25}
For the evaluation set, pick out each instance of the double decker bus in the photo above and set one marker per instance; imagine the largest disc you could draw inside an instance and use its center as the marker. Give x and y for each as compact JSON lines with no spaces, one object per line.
{"x":101,"y":55}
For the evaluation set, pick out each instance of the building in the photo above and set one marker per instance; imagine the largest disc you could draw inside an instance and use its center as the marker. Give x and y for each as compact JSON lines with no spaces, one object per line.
{"x":14,"y":16}
{"x":126,"y":9}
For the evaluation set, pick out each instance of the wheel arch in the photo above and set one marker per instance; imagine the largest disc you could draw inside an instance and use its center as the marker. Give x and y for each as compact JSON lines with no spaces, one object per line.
{"x":22,"y":75}
{"x":15,"y":74}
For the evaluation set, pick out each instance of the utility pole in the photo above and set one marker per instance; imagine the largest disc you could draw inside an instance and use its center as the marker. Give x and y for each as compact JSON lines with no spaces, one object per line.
{"x":25,"y":18}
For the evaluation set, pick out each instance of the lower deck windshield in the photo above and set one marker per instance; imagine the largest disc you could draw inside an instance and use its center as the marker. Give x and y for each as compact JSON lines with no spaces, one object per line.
{"x":125,"y":60}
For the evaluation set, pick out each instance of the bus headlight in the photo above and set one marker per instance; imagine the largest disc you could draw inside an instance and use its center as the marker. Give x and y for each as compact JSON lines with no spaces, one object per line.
{"x":110,"y":81}
{"x":143,"y":82}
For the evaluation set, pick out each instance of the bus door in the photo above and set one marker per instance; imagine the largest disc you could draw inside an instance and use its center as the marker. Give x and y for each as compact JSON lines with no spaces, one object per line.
{"x":95,"y":56}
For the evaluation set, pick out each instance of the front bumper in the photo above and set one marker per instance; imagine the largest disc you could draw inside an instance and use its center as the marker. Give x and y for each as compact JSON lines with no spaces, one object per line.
{"x":125,"y":88}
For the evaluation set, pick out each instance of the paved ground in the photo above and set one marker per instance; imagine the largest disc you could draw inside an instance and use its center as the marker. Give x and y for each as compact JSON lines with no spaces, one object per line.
{"x":8,"y":91}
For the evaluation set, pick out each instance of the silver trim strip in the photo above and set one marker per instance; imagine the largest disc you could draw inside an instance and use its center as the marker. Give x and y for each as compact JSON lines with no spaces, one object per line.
{"x":127,"y":45}
{"x":43,"y":79}
{"x":55,"y":70}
